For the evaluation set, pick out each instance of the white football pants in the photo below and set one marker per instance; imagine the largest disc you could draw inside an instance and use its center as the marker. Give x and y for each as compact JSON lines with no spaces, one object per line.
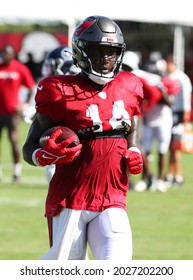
{"x":108,"y":234}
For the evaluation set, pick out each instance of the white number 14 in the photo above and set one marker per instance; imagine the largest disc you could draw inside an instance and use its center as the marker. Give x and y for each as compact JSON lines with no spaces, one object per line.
{"x":118,"y":115}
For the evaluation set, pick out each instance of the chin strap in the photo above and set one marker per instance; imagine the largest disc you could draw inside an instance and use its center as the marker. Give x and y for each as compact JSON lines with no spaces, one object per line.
{"x":101,"y":80}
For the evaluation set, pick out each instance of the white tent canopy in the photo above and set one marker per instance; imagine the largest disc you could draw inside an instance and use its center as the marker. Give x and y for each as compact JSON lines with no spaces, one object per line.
{"x":177,"y":13}
{"x":162,"y":11}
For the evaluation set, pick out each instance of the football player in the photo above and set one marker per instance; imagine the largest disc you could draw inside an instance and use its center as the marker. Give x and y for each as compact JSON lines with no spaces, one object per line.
{"x":86,"y":201}
{"x":14,"y":77}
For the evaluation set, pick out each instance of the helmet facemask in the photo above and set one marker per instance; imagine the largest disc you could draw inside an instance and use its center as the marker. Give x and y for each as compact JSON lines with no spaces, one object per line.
{"x":99,"y":77}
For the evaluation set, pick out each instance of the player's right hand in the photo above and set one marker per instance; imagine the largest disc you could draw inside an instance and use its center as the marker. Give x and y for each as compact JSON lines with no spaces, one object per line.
{"x":55,"y":153}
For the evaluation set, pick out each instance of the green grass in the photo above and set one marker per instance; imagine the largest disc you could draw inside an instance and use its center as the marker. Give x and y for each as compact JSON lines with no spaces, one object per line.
{"x":162,"y":223}
{"x":23,"y":231}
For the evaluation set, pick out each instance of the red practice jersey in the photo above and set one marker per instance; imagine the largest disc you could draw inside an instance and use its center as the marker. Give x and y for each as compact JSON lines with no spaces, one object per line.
{"x":152,"y":84}
{"x":12,"y":77}
{"x":97,"y":178}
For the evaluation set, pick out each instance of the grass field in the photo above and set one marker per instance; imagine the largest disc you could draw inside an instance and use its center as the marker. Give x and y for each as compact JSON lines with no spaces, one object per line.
{"x":162,"y":223}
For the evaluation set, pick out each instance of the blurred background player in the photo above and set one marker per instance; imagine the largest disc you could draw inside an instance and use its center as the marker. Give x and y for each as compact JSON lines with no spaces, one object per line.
{"x":156,"y":121}
{"x":13,"y":76}
{"x":57,"y":62}
{"x":181,"y":119}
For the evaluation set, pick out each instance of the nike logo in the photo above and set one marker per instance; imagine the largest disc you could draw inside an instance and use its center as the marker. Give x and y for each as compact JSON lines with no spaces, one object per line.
{"x":40,"y":87}
{"x":47,"y":157}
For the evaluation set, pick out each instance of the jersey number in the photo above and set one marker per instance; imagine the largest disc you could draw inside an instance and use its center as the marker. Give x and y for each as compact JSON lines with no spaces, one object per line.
{"x":118,"y":115}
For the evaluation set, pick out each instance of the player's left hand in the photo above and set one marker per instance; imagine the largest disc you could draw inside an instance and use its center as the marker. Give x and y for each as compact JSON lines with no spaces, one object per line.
{"x":60,"y":149}
{"x":134,"y":161}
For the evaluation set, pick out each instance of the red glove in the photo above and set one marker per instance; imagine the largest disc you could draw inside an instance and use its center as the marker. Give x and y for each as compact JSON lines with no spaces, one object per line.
{"x":134,"y":160}
{"x":55,"y":153}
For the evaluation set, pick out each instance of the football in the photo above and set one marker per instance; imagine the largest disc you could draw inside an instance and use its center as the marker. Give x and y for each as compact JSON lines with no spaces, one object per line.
{"x":66,"y":133}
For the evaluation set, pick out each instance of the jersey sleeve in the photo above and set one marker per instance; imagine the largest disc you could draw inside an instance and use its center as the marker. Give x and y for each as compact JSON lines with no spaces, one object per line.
{"x":49,"y":99}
